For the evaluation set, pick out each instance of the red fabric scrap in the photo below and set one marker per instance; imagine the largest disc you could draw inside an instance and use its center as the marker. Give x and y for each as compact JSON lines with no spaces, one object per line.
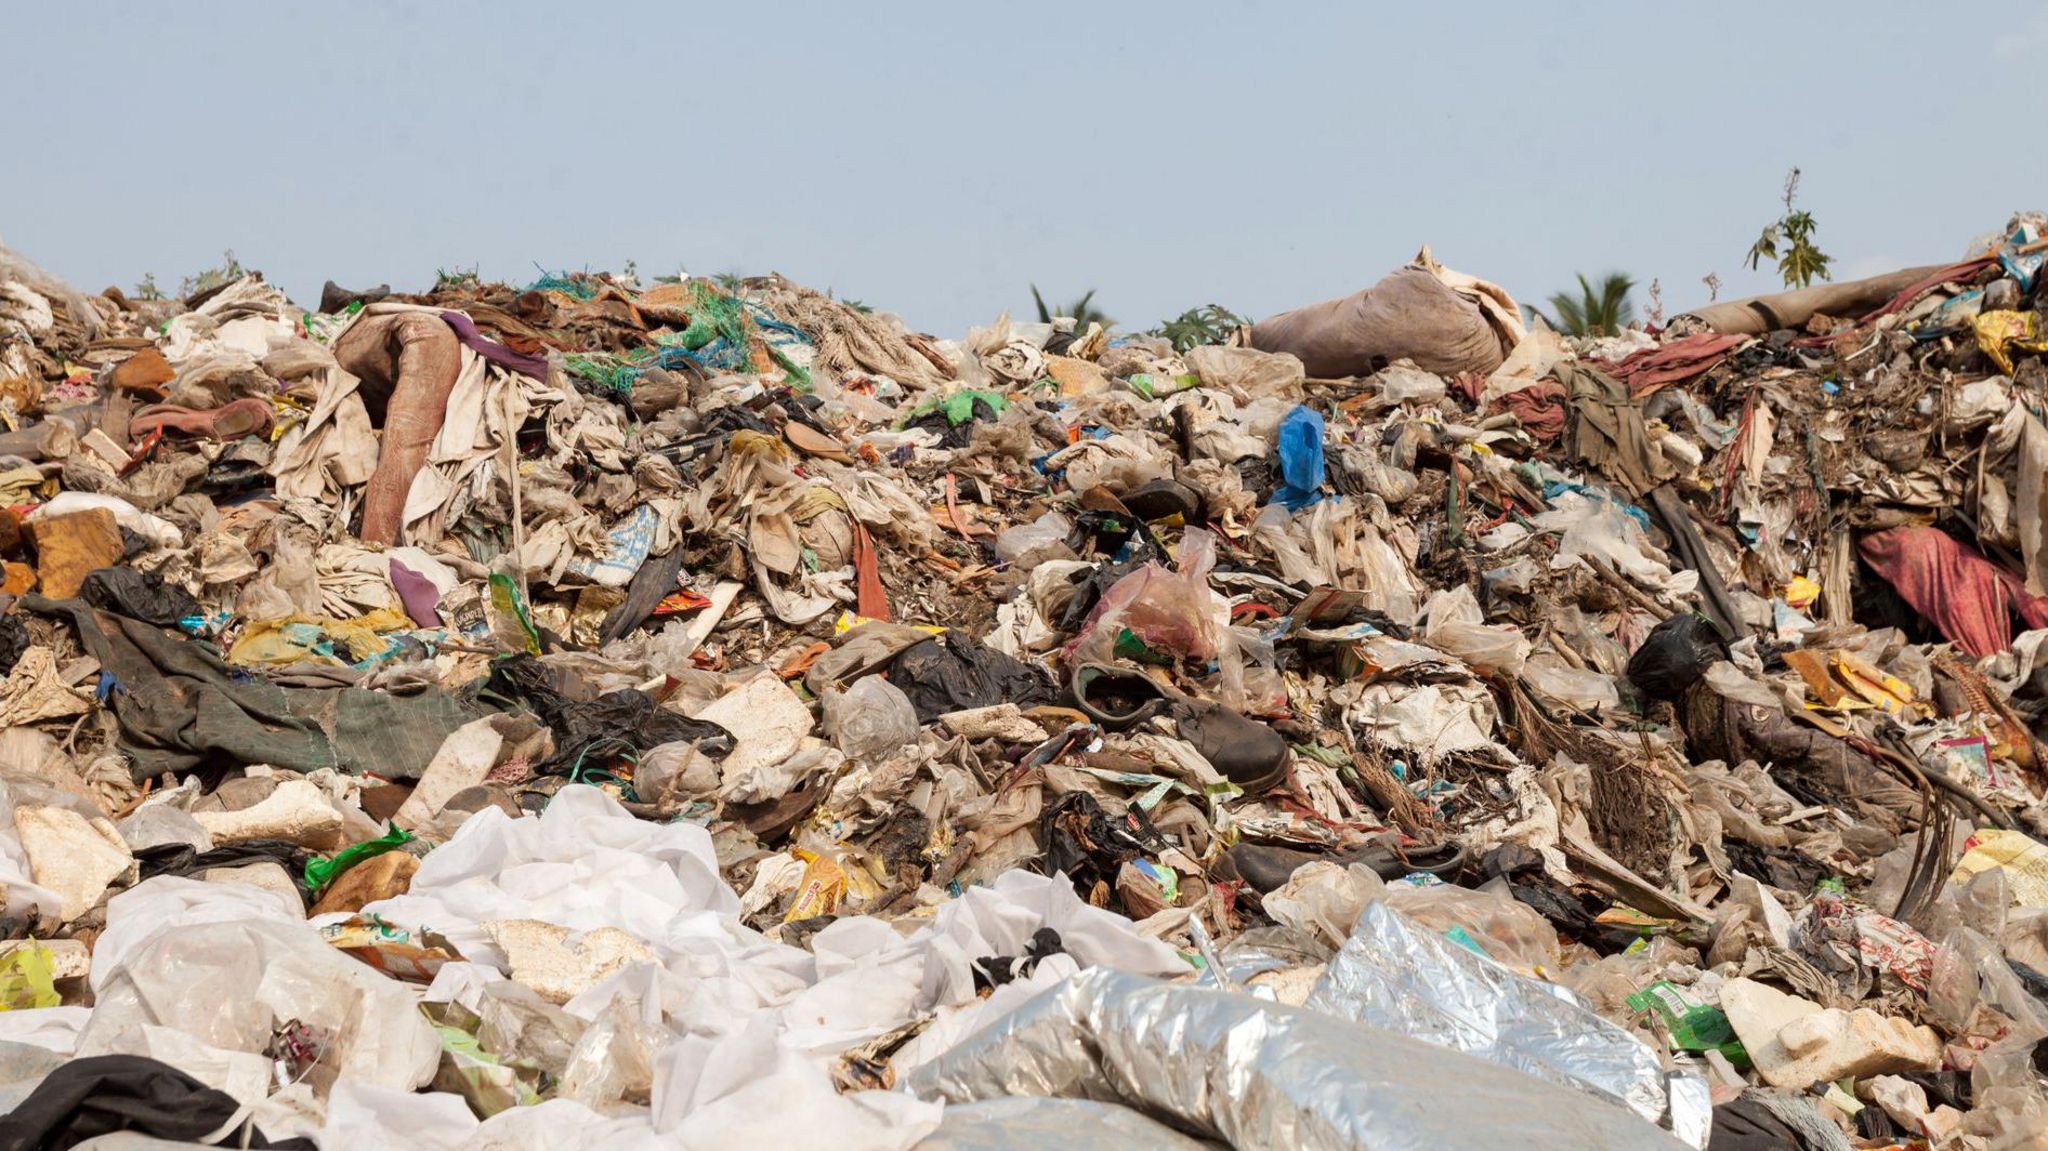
{"x":1971,"y":599}
{"x":870,"y":599}
{"x":1540,"y":407}
{"x":1653,"y":369}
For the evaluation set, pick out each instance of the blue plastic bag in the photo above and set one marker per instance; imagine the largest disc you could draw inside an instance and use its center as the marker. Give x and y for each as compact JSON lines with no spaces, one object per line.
{"x":1301,"y":459}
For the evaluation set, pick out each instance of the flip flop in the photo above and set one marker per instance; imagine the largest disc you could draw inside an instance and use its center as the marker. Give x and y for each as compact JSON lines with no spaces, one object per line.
{"x":230,"y":421}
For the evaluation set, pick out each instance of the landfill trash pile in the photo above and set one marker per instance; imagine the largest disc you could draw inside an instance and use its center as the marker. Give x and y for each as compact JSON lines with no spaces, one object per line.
{"x":708,"y":714}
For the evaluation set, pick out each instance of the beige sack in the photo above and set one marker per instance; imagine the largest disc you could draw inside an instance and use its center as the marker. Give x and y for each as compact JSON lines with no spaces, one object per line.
{"x":1412,"y":314}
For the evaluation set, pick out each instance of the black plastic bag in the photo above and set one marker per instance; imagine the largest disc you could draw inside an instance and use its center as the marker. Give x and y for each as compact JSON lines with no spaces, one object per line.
{"x":182,"y":859}
{"x":1089,"y":845}
{"x":13,"y":641}
{"x":129,"y":1095}
{"x":1675,"y":656}
{"x":954,"y":673}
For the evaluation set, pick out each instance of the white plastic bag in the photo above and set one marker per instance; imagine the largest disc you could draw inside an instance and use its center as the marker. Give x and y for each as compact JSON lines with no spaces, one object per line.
{"x":1016,"y":542}
{"x":871,"y":720}
{"x":1581,"y":690}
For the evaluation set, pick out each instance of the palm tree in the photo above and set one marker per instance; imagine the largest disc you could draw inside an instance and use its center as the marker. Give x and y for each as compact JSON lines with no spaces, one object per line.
{"x":1596,"y":311}
{"x":1083,"y":310}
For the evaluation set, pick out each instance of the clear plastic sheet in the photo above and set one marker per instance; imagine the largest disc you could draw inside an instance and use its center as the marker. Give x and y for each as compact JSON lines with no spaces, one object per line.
{"x":1395,"y":975}
{"x":1229,"y":1067}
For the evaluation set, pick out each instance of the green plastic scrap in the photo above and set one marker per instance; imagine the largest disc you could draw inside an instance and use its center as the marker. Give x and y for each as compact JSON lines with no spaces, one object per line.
{"x":322,"y":870}
{"x":1692,"y":1025}
{"x":959,"y":406}
{"x":1325,"y":754}
{"x":28,"y":977}
{"x":1152,"y":387}
{"x":489,"y":1083}
{"x":510,"y":609}
{"x":799,"y":379}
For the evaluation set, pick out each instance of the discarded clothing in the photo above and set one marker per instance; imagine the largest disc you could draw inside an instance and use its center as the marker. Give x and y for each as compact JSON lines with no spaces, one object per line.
{"x":138,"y":595}
{"x":1653,"y":369}
{"x":956,"y":673}
{"x":181,"y":708}
{"x":492,"y":350}
{"x":1606,"y":428}
{"x":105,"y":1094}
{"x":1968,"y":597}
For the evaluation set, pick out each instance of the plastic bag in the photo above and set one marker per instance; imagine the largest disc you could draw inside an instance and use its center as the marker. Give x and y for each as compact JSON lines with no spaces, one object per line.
{"x":1675,"y":655}
{"x":1247,"y":371}
{"x":1017,"y":542}
{"x":1457,"y":627}
{"x":671,"y":773}
{"x":1575,"y":688}
{"x":1999,"y":333}
{"x":1154,"y":614}
{"x":27,"y":978}
{"x":613,"y":1061}
{"x":1495,"y":924}
{"x":1323,"y":899}
{"x":871,"y":720}
{"x":1300,"y":448}
{"x":322,"y":870}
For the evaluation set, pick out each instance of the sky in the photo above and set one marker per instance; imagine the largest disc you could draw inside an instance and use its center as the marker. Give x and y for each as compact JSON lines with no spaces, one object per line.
{"x":937,"y":159}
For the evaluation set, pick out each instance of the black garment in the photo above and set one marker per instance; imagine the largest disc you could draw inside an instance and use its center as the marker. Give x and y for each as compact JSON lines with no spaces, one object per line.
{"x":627,"y":720}
{"x":1744,"y":1125}
{"x":993,"y":971}
{"x":1090,"y":846}
{"x":138,"y":595}
{"x":100,"y":1095}
{"x":651,"y":584}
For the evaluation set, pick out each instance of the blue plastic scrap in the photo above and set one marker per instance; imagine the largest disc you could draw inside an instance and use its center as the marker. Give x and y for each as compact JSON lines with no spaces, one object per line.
{"x":2022,"y":267}
{"x":1301,"y":459}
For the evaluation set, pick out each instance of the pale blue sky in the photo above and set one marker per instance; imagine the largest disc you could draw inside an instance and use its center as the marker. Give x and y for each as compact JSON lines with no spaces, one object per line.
{"x":935,"y":158}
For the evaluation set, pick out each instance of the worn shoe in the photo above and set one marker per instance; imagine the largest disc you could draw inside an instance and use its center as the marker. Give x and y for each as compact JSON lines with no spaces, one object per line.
{"x":1114,"y":697}
{"x":1243,"y":751}
{"x":230,"y":421}
{"x":1163,"y":500}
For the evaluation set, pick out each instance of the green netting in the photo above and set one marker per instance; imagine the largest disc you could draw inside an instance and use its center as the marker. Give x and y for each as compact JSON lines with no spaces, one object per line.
{"x":721,"y":335}
{"x":568,"y":283}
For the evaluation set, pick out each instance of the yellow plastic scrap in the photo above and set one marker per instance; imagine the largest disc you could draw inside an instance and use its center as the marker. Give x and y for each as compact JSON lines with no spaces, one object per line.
{"x":746,"y":442}
{"x":1885,"y":692}
{"x":830,"y":878}
{"x":847,"y":621}
{"x":1801,"y":592}
{"x":28,"y":977}
{"x":2024,"y":859}
{"x":1998,"y":333}
{"x":294,"y":638}
{"x":823,"y":886}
